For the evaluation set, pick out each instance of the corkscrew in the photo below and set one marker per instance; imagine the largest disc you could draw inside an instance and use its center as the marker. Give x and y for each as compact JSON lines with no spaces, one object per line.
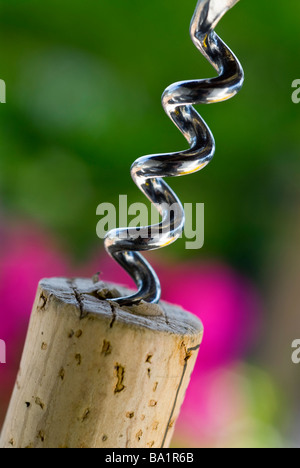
{"x":123,"y":244}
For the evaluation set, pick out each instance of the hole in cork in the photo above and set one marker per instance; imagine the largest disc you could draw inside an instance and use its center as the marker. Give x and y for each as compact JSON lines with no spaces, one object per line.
{"x":120,"y":374}
{"x":106,"y":348}
{"x":78,"y":358}
{"x":149,"y":359}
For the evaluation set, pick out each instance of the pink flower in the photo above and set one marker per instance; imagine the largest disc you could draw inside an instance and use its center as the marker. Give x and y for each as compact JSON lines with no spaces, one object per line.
{"x":216,"y":405}
{"x":26,"y":256}
{"x":227,"y":304}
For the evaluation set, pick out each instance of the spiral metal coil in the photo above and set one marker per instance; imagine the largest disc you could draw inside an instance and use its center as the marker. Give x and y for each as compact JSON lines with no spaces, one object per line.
{"x":124,"y":245}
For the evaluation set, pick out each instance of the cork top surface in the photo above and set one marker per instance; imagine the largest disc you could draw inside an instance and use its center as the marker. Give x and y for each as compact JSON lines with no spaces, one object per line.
{"x":91,"y":297}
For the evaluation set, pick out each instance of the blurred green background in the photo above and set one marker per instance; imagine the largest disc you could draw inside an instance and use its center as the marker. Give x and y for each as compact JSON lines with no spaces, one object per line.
{"x":84,"y":84}
{"x":84,"y":80}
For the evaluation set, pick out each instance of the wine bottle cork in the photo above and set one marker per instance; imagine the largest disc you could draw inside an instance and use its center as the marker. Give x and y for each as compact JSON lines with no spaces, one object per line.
{"x":97,"y":375}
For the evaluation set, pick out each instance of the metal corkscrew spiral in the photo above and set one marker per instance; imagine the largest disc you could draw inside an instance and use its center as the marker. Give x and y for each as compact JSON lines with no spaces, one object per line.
{"x":124,"y":245}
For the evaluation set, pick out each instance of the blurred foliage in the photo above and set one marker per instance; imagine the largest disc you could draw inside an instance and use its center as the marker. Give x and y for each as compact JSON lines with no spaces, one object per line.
{"x":84,"y":81}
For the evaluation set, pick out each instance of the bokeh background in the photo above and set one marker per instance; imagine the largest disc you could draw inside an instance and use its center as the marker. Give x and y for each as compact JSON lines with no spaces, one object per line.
{"x":84,"y":81}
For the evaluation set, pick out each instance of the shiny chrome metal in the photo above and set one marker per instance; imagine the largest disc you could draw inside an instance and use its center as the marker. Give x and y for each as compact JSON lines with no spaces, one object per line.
{"x":148,"y":172}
